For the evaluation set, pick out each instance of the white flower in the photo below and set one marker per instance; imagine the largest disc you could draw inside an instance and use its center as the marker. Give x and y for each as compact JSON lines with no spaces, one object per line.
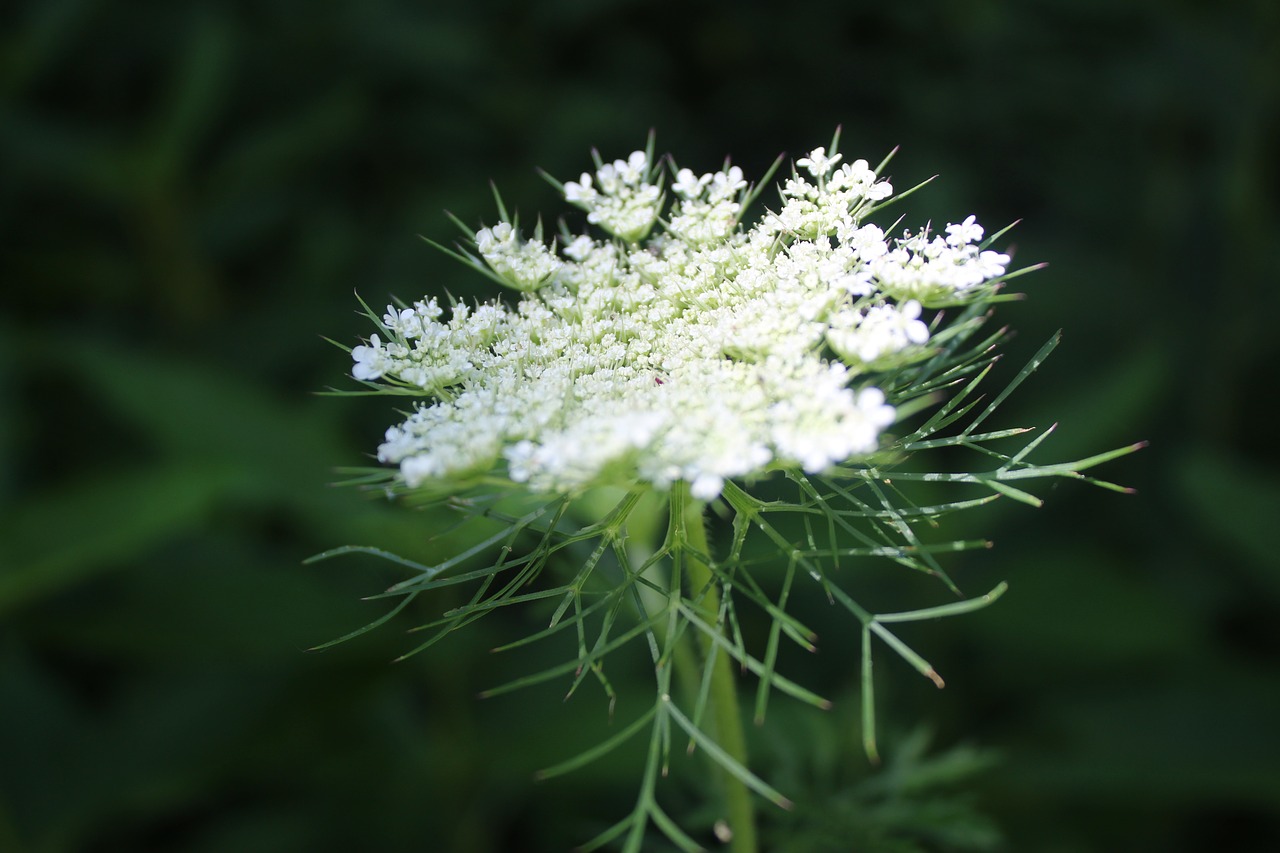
{"x":622,"y":202}
{"x":580,"y":191}
{"x":991,"y":264}
{"x":697,"y":351}
{"x":879,"y":332}
{"x":818,"y":163}
{"x":371,"y":361}
{"x":688,"y":185}
{"x":868,"y":242}
{"x":726,"y":184}
{"x":633,"y":171}
{"x":523,"y":265}
{"x":857,"y":180}
{"x":580,"y":248}
{"x":879,"y":191}
{"x":968,"y":231}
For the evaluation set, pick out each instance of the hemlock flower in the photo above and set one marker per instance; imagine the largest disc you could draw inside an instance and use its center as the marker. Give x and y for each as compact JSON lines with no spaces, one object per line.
{"x":818,"y":163}
{"x":523,"y":265}
{"x":625,"y":203}
{"x":686,"y":353}
{"x":686,"y":349}
{"x":968,"y":231}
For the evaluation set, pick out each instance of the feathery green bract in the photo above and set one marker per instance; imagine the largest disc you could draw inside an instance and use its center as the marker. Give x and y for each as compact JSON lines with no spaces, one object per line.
{"x":851,"y":513}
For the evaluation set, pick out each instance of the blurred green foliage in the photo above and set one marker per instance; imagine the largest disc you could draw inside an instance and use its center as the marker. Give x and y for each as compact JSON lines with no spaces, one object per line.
{"x":189,"y":194}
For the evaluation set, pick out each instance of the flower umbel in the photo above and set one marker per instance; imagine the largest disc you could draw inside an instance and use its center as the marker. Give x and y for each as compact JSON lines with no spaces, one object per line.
{"x":707,"y":352}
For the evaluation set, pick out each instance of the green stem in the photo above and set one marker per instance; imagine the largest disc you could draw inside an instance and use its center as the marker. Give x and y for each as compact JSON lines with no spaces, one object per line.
{"x":723,"y":696}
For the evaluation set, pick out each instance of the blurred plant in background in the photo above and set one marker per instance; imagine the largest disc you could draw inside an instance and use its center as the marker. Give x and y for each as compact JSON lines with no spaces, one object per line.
{"x":674,"y":357}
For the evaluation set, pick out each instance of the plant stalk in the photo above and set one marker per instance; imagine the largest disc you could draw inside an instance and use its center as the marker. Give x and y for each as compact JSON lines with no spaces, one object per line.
{"x":722,"y":699}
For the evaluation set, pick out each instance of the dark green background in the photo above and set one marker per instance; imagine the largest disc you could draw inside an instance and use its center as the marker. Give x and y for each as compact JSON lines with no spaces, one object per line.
{"x":191,"y":192}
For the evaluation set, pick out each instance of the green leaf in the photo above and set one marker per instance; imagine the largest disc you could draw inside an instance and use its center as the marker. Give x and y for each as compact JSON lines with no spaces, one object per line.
{"x":728,"y":762}
{"x":953,"y":609}
{"x":1036,"y":360}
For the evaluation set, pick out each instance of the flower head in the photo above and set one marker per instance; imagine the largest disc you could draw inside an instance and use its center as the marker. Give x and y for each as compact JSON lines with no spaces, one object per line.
{"x":698,"y":351}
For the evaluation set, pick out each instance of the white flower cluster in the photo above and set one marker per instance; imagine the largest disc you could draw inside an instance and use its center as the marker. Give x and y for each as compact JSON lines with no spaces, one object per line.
{"x":708,"y":207}
{"x":622,"y":201}
{"x":524,"y":266}
{"x":705,"y":352}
